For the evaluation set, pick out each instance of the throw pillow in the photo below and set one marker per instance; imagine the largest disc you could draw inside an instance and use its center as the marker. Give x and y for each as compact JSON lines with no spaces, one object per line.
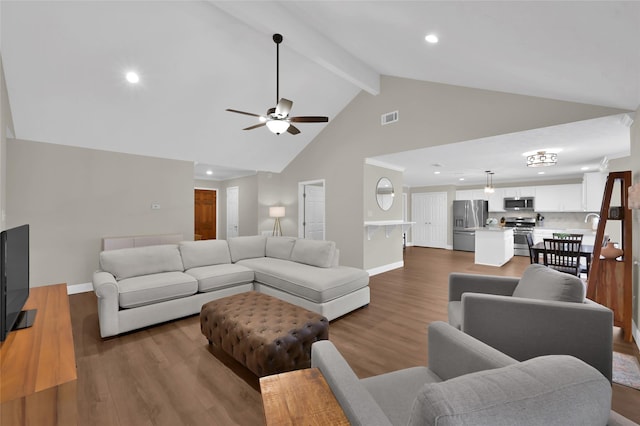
{"x":314,"y":252}
{"x":280,"y":247}
{"x":541,"y":282}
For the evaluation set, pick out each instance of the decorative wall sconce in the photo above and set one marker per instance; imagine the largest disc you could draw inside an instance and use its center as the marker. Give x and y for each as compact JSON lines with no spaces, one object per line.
{"x":277,"y":212}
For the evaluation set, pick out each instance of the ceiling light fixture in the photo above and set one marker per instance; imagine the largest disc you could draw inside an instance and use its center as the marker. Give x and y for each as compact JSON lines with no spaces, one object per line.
{"x":278,"y":126}
{"x":431,"y":38}
{"x":132,"y":77}
{"x":489,"y":189}
{"x":209,"y":172}
{"x":542,"y":159}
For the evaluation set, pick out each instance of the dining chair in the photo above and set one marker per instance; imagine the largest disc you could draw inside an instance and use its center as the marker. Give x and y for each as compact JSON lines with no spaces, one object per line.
{"x":563,"y":255}
{"x":563,"y":236}
{"x":532,"y":255}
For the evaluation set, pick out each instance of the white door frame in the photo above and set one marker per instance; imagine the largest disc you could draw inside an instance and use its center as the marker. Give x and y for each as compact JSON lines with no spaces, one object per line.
{"x":237,"y":221}
{"x":217,"y":205}
{"x":301,"y":186}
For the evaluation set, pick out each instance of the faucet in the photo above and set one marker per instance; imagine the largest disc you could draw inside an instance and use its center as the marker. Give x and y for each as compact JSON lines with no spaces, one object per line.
{"x":595,"y":221}
{"x":586,"y":219}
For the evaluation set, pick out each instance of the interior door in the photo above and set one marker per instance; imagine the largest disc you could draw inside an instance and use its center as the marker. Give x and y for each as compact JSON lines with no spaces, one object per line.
{"x":312,"y":210}
{"x":232,"y":212}
{"x":205,"y":214}
{"x":429,"y":212}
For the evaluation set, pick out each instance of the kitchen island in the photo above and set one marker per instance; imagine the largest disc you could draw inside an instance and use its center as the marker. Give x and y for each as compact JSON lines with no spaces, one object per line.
{"x":494,"y":245}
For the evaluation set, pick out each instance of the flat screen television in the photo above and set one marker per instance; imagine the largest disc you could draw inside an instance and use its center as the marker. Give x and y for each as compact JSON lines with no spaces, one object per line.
{"x":14,"y":280}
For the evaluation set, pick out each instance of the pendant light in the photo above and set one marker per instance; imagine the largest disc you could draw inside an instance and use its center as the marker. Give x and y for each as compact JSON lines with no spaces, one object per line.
{"x":489,"y":189}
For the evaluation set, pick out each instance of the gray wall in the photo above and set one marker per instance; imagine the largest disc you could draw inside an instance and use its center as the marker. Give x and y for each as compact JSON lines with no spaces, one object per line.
{"x":430,"y":114}
{"x":6,"y":123}
{"x":380,"y":250}
{"x":635,"y":169}
{"x":247,"y":206}
{"x":73,"y":197}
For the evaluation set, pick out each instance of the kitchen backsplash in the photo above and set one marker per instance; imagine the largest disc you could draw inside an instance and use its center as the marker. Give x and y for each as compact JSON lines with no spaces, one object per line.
{"x":551,"y":220}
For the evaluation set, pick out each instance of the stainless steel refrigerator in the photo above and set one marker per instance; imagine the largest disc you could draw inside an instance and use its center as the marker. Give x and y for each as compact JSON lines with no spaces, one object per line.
{"x":468,"y":215}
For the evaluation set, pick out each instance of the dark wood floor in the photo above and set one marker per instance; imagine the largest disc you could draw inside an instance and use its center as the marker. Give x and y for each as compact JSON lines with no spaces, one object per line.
{"x":169,"y":375}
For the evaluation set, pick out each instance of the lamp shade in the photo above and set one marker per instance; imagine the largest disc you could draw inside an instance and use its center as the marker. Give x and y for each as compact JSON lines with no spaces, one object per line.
{"x":277,"y":211}
{"x":277,"y":126}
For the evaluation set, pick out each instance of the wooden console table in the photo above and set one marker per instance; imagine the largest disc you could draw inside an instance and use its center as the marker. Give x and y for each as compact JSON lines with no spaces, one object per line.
{"x":300,"y":397}
{"x":38,"y":365}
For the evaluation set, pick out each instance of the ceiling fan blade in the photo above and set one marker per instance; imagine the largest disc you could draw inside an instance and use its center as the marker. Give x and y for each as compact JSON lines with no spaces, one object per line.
{"x":309,"y":119}
{"x":293,"y":129}
{"x":242,"y":112}
{"x":255,"y":126}
{"x":283,"y":108}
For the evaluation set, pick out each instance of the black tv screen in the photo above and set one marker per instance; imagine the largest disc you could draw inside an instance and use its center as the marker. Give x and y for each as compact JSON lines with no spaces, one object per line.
{"x":14,"y":276}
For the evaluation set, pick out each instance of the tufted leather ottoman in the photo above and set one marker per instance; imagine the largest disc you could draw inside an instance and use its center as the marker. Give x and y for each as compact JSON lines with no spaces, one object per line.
{"x":266,"y":334}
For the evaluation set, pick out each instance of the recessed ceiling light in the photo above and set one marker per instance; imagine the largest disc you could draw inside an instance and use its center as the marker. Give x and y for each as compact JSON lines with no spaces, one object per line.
{"x":540,"y":173}
{"x":436,"y":173}
{"x":209,"y":172}
{"x":132,"y":77}
{"x":584,"y":168}
{"x":461,"y":179}
{"x":431,"y":38}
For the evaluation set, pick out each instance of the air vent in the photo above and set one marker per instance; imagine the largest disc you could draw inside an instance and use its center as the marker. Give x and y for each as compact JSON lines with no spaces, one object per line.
{"x":388,"y":118}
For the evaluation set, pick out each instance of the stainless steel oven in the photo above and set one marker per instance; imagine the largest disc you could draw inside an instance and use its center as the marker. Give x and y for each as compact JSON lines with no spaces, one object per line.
{"x":522,"y":226}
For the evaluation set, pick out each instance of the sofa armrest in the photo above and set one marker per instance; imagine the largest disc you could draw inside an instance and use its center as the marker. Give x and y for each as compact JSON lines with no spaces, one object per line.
{"x":106,"y":289}
{"x":356,"y":402}
{"x":453,"y":353}
{"x":463,"y":283}
{"x":527,"y":328}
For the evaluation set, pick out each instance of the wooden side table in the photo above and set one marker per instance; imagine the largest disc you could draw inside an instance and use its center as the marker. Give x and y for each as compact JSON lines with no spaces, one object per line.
{"x":300,"y":397}
{"x":38,"y":365}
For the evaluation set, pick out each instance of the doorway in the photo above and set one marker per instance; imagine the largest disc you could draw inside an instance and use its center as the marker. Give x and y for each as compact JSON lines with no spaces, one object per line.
{"x":311,"y":210}
{"x":205,"y":214}
{"x":429,"y":212}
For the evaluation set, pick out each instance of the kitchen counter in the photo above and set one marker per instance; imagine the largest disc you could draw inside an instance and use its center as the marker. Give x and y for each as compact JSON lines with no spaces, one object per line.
{"x":494,"y":245}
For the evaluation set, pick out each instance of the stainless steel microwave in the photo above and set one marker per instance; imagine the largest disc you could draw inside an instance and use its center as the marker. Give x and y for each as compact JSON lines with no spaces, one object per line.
{"x":518,"y":203}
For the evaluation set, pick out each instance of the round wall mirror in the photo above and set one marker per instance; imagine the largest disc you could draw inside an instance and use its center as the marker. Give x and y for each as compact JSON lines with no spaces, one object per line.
{"x":384,"y":193}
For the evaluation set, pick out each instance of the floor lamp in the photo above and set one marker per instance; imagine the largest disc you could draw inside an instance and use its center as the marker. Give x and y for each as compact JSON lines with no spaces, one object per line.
{"x":276,"y":212}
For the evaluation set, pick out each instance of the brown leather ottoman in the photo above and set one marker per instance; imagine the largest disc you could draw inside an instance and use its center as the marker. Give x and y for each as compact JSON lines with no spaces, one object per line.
{"x":266,"y":334}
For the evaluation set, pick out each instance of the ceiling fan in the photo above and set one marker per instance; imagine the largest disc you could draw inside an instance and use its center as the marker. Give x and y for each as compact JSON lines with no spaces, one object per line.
{"x":277,"y":119}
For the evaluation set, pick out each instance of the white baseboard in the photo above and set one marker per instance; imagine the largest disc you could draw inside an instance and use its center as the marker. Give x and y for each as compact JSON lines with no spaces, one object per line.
{"x":79,"y":288}
{"x":385,"y":268}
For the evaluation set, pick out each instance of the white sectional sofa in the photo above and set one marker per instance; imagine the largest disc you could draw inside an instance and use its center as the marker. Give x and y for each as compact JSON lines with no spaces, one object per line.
{"x":142,"y":286}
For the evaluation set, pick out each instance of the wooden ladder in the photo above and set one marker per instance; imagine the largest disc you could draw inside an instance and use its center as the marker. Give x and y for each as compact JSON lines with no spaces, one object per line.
{"x":609,"y":281}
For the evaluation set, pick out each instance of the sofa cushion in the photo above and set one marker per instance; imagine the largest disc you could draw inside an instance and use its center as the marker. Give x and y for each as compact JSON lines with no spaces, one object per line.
{"x":220,"y":276}
{"x":204,"y":253}
{"x":314,"y":252}
{"x":247,"y":247}
{"x":547,"y":390}
{"x":541,"y":282}
{"x":133,"y":262}
{"x":154,"y":288}
{"x":318,"y":285}
{"x":280,"y":247}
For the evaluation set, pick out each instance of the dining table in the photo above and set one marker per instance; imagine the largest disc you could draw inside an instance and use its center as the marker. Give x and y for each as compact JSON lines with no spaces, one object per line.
{"x":586,"y":251}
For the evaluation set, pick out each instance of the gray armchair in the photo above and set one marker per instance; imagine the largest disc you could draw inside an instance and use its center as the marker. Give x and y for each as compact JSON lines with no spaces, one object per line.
{"x":543,"y":313}
{"x":469,"y":382}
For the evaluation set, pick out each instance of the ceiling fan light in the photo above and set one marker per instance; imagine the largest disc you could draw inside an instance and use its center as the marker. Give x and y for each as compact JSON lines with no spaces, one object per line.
{"x":277,"y":126}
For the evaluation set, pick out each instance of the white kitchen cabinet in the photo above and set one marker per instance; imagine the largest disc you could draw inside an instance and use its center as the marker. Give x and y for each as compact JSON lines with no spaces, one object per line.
{"x":496,"y":200}
{"x":519,"y":191}
{"x":494,"y":246}
{"x":592,"y":191}
{"x":559,"y":198}
{"x":471,"y":194}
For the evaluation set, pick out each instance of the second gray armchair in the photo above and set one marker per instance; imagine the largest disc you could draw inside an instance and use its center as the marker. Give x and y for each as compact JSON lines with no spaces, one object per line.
{"x":543,"y":313}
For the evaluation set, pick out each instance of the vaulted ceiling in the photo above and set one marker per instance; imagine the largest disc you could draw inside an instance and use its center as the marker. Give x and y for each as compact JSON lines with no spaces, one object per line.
{"x":65,"y":63}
